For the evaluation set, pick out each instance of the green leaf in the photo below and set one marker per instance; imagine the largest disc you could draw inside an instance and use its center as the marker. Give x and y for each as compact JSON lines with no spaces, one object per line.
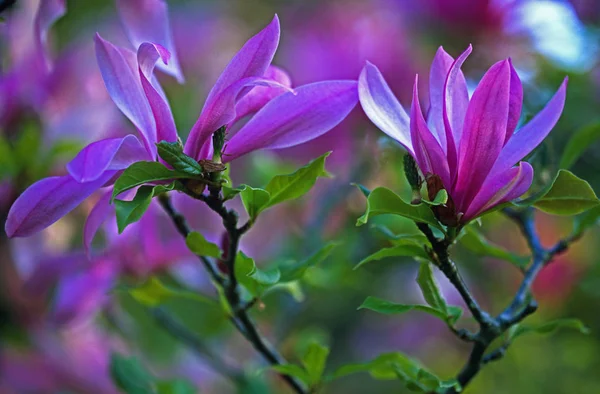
{"x":296,"y":270}
{"x":130,"y":375}
{"x":292,"y":370}
{"x":363,"y":189}
{"x":585,"y":220}
{"x":287,"y":187}
{"x":580,"y":141}
{"x":254,"y":200}
{"x":144,"y":172}
{"x":172,"y":153}
{"x":230,"y":192}
{"x":268,"y":277}
{"x":153,"y":293}
{"x":430,"y":289}
{"x":416,"y":238}
{"x":256,"y":281}
{"x":129,"y":212}
{"x":478,"y":244}
{"x":314,"y":362}
{"x":391,"y":308}
{"x":176,"y":386}
{"x":384,"y":201}
{"x":408,"y":249}
{"x":440,"y":199}
{"x":548,"y":328}
{"x":200,"y":246}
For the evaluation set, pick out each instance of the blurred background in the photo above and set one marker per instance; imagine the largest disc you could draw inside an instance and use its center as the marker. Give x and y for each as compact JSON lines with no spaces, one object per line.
{"x":62,"y":314}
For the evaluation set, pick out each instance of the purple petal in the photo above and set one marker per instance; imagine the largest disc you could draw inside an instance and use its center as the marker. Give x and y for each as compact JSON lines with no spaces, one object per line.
{"x":121,"y":77}
{"x":292,"y":119}
{"x":148,"y":21}
{"x":528,"y":137}
{"x":455,"y":104}
{"x":516,"y":102}
{"x":101,"y":211}
{"x":46,"y":201}
{"x":484,"y":131}
{"x":252,"y":60}
{"x":428,"y":152}
{"x":109,"y":154}
{"x":382,"y":107}
{"x":147,"y":56}
{"x":499,"y":189}
{"x":49,"y":269}
{"x":437,"y":80}
{"x":221,"y":112}
{"x":49,"y":11}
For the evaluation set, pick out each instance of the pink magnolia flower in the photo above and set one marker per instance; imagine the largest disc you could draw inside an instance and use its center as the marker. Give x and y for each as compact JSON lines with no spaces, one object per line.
{"x":470,"y":143}
{"x":249,"y":85}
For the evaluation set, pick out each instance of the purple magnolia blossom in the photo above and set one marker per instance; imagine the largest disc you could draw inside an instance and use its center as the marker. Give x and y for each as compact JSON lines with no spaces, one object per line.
{"x":249,"y":85}
{"x":470,"y":143}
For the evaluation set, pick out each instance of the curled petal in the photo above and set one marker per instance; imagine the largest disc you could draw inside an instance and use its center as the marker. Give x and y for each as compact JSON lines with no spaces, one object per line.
{"x":382,"y":107}
{"x":109,"y":154}
{"x":528,"y":137}
{"x":499,"y":189}
{"x":428,"y":152}
{"x":121,"y":77}
{"x":46,"y":201}
{"x":515,"y":103}
{"x":148,"y":55}
{"x":148,"y":21}
{"x":101,"y":211}
{"x":484,"y":131}
{"x":294,"y":118}
{"x":49,"y":11}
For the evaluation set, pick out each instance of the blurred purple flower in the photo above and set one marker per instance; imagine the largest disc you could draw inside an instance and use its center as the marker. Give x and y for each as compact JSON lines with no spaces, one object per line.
{"x":469,"y":143}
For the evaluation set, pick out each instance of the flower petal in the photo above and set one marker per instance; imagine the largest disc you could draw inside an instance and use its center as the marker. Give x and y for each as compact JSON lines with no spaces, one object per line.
{"x":147,"y":56}
{"x":148,"y":21}
{"x":109,"y":154}
{"x":437,"y":80}
{"x":528,"y":137}
{"x":49,"y":11}
{"x":97,"y":216}
{"x":499,"y":189}
{"x":516,"y":102}
{"x":121,"y":77}
{"x":428,"y":153}
{"x":46,"y":201}
{"x":252,"y":60}
{"x":294,"y":118}
{"x":484,"y":130}
{"x":382,"y":107}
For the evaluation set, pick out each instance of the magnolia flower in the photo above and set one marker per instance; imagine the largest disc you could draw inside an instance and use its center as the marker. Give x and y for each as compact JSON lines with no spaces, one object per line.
{"x":467,"y":145}
{"x":249,"y":85}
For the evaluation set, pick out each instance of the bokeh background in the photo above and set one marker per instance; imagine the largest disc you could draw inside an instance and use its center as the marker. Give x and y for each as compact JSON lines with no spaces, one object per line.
{"x":59,"y":324}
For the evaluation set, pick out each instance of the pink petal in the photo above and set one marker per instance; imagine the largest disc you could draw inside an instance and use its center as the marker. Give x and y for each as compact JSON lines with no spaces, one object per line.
{"x":121,"y":77}
{"x":46,"y":201}
{"x":252,"y":60}
{"x":101,"y":211}
{"x":109,"y":154}
{"x":515,"y":104}
{"x":49,"y":11}
{"x":292,"y":119}
{"x":499,"y":189}
{"x":437,"y":80}
{"x":528,"y":137}
{"x":428,"y":153}
{"x":382,"y":107}
{"x":147,"y":56}
{"x":148,"y":21}
{"x":484,"y":131}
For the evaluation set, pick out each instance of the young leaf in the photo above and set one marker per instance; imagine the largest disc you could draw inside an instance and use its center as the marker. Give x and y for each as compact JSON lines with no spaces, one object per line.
{"x":416,"y":238}
{"x":391,"y":308}
{"x":256,"y":281}
{"x":230,"y":192}
{"x":153,"y":293}
{"x":129,"y":212}
{"x":430,"y":289}
{"x":130,"y":375}
{"x":296,"y":270}
{"x":287,"y":187}
{"x":292,"y":370}
{"x":440,"y":199}
{"x":478,"y":244}
{"x":200,"y":246}
{"x":363,"y":189}
{"x":144,"y":172}
{"x":547,"y":328}
{"x":580,"y":141}
{"x":407,"y":249}
{"x":172,"y":153}
{"x":384,"y":201}
{"x":254,"y":200}
{"x":314,"y":362}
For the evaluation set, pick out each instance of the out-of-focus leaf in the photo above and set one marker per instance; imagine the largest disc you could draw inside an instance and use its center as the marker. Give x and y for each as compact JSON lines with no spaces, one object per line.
{"x":296,"y":270}
{"x":200,"y":246}
{"x":430,"y":289}
{"x":9,"y":166}
{"x":547,"y":328}
{"x":578,"y":143}
{"x":153,"y":293}
{"x":585,"y":220}
{"x":383,"y":201}
{"x":130,"y":375}
{"x":129,"y":212}
{"x":256,"y":281}
{"x":176,"y":386}
{"x":314,"y":362}
{"x":408,"y":249}
{"x":478,"y":244}
{"x":144,"y":172}
{"x":254,"y":200}
{"x":292,"y":370}
{"x":391,"y":308}
{"x":172,"y":153}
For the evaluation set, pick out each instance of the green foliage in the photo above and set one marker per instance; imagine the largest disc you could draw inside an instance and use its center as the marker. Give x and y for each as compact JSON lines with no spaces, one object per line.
{"x":129,"y":212}
{"x":312,"y":369}
{"x":200,"y":246}
{"x":405,"y":249}
{"x":432,"y":294}
{"x":384,"y":201}
{"x":153,"y":293}
{"x":363,"y":189}
{"x":175,"y":386}
{"x":144,"y":172}
{"x":292,"y":271}
{"x":391,"y":308}
{"x":172,"y":153}
{"x":255,"y":280}
{"x":547,"y":328}
{"x":440,"y":199}
{"x":254,"y":200}
{"x":478,"y":244}
{"x":585,"y":220}
{"x":580,"y":141}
